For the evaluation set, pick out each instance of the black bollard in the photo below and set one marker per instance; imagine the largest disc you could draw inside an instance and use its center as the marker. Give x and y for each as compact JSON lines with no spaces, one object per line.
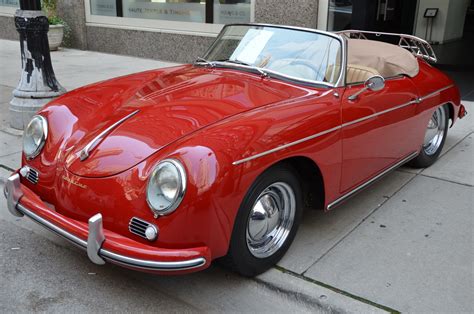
{"x":38,"y":84}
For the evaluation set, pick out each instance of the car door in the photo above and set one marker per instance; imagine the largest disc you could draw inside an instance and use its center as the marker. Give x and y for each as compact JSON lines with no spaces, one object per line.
{"x":376,"y":129}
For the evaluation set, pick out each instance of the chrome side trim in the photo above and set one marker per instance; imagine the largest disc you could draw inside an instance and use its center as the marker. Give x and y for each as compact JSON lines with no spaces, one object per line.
{"x":414,"y":101}
{"x":84,"y":154}
{"x":113,"y":257}
{"x":435,"y":92}
{"x":238,"y":162}
{"x":365,"y":184}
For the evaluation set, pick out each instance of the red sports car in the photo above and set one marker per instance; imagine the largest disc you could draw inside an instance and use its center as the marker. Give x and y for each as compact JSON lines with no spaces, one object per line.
{"x":169,"y":169}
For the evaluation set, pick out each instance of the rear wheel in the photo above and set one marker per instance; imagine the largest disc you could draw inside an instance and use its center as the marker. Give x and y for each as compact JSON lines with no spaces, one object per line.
{"x":435,"y":136}
{"x":266,"y":223}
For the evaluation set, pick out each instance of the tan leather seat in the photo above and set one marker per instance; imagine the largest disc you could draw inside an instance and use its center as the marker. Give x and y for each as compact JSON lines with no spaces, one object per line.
{"x":359,"y":73}
{"x":355,"y":73}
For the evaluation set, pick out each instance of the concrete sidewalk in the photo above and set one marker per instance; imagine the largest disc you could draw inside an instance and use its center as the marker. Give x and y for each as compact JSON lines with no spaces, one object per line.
{"x":404,"y":244}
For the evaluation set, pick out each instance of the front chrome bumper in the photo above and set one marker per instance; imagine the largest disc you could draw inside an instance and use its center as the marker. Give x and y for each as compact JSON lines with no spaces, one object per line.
{"x":95,"y":236}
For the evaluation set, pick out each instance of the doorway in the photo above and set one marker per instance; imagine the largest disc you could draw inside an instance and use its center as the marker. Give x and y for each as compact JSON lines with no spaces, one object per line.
{"x":393,"y":16}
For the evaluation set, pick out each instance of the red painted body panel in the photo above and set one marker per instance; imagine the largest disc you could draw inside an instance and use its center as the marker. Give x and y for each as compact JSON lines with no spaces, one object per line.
{"x":208,"y":119}
{"x":378,"y":142}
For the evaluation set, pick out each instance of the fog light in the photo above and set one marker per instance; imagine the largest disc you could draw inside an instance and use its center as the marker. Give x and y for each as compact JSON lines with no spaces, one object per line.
{"x":151,"y":233}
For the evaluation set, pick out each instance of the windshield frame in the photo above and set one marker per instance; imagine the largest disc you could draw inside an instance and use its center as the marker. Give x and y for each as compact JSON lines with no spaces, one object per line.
{"x":342,"y":40}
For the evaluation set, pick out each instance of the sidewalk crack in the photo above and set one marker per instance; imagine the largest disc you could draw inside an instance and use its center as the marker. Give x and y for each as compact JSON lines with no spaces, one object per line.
{"x":6,"y":167}
{"x":446,"y":180}
{"x":337,"y":290}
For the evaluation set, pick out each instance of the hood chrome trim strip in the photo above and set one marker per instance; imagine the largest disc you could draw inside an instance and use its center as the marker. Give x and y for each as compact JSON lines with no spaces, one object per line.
{"x":85,"y":152}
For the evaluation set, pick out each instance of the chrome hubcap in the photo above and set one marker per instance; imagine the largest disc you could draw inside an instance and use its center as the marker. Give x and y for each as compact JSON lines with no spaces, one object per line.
{"x":435,"y":132}
{"x":270,"y":220}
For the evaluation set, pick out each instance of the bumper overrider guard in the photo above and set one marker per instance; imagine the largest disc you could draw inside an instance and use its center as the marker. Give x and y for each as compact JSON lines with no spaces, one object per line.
{"x":101,"y":245}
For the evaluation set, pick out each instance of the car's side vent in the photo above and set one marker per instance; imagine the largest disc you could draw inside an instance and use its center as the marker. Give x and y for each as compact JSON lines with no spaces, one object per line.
{"x":32,"y":176}
{"x":143,"y":229}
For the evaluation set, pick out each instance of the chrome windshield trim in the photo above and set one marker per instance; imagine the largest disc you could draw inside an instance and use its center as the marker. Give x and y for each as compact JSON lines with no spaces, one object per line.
{"x":84,"y":154}
{"x":365,"y":184}
{"x":258,"y":69}
{"x":342,"y":40}
{"x":297,"y":28}
{"x":414,"y":101}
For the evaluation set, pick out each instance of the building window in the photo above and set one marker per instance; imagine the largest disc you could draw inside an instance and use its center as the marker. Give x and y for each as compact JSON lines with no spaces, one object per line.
{"x":197,"y":11}
{"x":10,"y":3}
{"x":339,"y":15}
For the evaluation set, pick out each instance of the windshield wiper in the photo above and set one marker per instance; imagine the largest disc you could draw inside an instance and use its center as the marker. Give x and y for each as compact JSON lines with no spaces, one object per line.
{"x":207,"y":62}
{"x":236,"y":61}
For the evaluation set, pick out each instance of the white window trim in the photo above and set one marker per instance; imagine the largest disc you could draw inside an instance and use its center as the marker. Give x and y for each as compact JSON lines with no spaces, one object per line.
{"x":7,"y":11}
{"x":323,"y":11}
{"x":163,"y":26}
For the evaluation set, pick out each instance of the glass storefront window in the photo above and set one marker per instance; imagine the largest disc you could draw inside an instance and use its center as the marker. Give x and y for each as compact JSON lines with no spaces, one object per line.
{"x":339,"y":15}
{"x":10,"y":3}
{"x":178,"y":10}
{"x":231,"y":11}
{"x":198,"y":11}
{"x":104,"y":7}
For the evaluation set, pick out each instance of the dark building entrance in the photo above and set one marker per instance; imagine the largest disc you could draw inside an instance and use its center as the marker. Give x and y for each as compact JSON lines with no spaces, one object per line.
{"x":404,"y":16}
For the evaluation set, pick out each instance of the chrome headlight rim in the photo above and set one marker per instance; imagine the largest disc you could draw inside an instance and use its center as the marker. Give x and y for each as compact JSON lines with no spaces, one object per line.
{"x":181,"y":187}
{"x":39,"y":148}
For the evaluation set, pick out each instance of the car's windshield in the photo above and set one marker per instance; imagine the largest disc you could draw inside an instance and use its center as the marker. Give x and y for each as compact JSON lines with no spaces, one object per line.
{"x":294,"y":53}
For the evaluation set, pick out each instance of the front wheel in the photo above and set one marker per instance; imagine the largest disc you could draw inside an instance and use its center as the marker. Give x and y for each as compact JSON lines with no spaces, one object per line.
{"x":266,"y":223}
{"x":435,"y":136}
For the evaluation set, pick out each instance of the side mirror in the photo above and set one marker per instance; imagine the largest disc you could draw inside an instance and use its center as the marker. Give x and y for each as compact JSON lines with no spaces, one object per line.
{"x":374,"y":83}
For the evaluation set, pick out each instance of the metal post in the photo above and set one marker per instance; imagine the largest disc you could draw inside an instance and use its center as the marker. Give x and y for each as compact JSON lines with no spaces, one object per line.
{"x":38,"y":84}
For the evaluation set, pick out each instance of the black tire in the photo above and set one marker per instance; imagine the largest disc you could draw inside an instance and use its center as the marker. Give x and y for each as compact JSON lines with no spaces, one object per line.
{"x":239,"y":258}
{"x":424,"y":159}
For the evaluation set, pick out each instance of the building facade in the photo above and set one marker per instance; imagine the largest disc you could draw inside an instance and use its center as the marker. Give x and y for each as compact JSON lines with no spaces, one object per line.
{"x":181,"y":30}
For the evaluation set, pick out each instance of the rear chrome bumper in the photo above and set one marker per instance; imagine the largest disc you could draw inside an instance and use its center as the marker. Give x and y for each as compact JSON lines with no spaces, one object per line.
{"x":101,"y":245}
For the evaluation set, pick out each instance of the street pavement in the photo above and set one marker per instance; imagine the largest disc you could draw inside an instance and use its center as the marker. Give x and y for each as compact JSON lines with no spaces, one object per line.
{"x":404,"y":244}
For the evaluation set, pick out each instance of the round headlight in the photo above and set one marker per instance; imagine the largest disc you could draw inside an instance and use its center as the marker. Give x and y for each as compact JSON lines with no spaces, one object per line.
{"x":35,"y":136}
{"x":166,"y":187}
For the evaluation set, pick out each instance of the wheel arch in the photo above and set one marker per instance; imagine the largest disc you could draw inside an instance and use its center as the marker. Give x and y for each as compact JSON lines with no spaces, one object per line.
{"x":311,"y":178}
{"x":451,"y":111}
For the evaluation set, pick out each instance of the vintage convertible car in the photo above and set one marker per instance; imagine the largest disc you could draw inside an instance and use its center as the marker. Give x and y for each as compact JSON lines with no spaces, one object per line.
{"x":166,"y":170}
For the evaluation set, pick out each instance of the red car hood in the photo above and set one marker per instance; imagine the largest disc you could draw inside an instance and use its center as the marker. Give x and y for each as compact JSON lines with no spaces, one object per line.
{"x":169,"y":107}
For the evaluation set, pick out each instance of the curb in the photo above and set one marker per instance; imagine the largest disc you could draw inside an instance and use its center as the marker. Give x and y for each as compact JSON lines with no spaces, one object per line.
{"x":315,"y":296}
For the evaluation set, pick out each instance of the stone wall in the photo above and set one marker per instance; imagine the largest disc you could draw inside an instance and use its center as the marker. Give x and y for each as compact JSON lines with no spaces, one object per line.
{"x":7,"y":28}
{"x":303,"y":13}
{"x":73,"y":12}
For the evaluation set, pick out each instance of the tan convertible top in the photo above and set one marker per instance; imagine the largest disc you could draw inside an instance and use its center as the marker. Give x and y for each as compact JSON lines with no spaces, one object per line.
{"x":387,"y":59}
